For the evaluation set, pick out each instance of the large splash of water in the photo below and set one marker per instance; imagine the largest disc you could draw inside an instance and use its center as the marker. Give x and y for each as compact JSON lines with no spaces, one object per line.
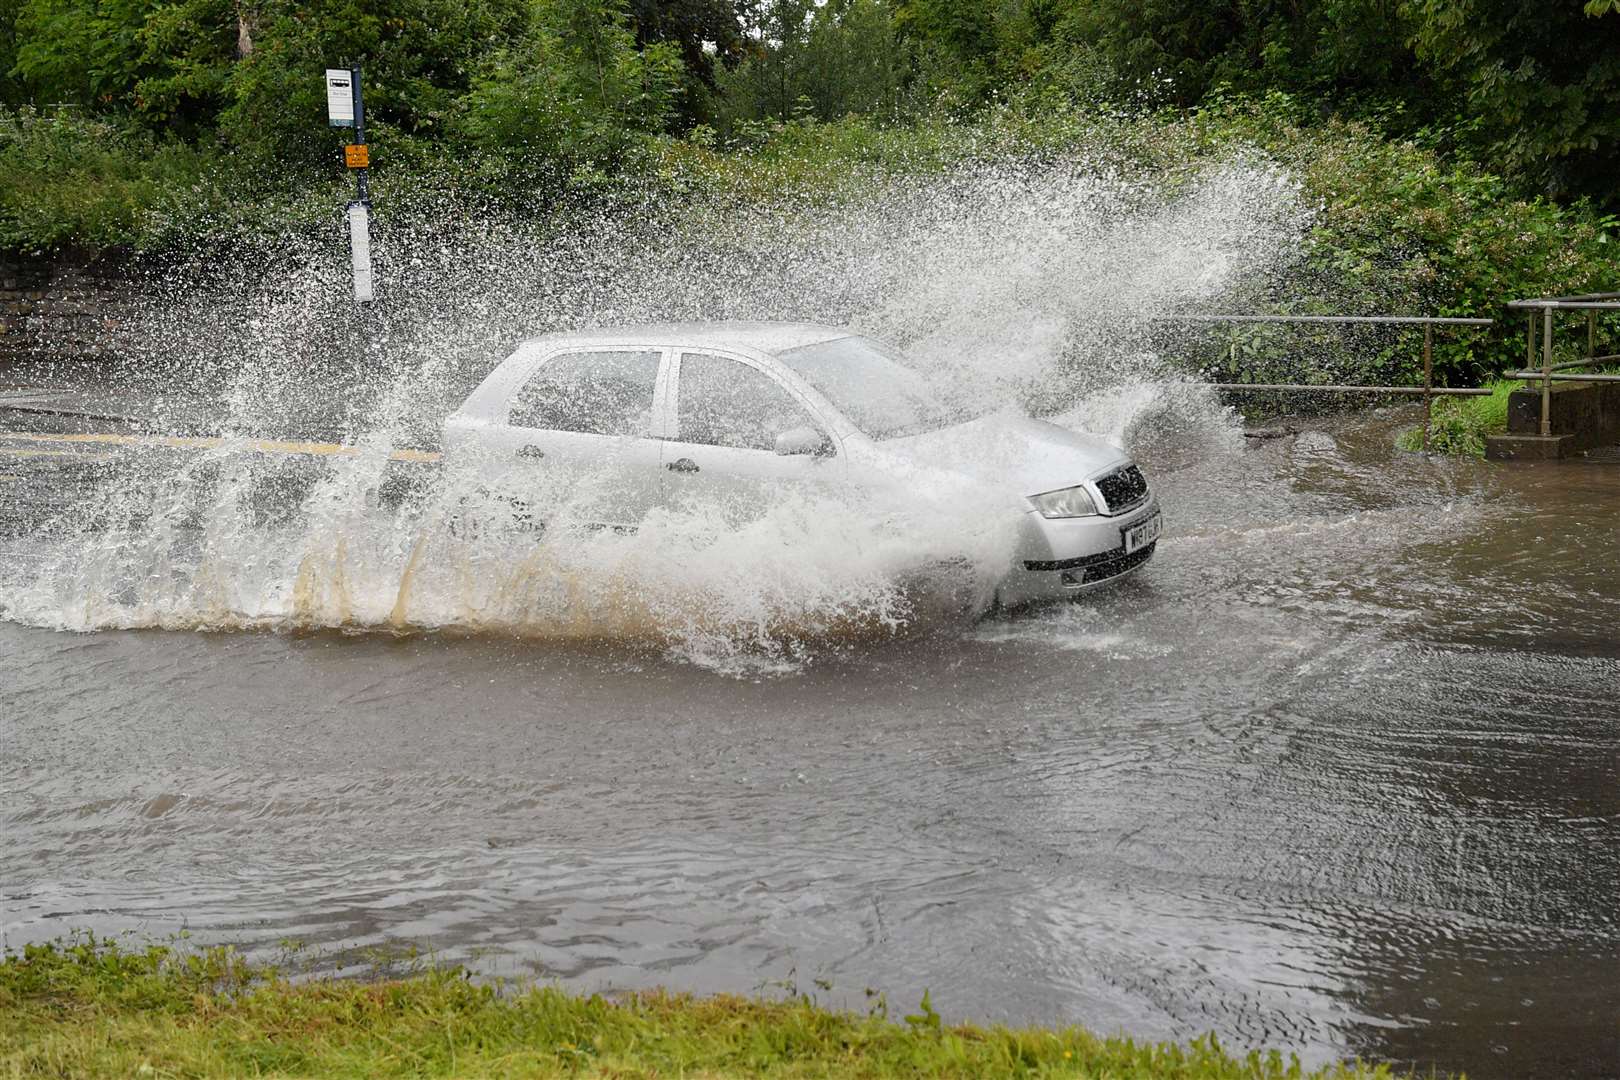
{"x":1026,"y":286}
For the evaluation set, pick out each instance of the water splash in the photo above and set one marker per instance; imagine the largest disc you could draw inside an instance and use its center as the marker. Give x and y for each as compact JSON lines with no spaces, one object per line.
{"x":1027,"y":287}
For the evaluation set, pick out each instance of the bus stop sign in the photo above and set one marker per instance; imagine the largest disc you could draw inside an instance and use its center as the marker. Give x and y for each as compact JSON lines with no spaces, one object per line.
{"x":339,"y":97}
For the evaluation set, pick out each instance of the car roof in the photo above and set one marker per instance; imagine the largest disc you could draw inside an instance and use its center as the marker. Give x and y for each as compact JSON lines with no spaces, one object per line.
{"x":769,"y":337}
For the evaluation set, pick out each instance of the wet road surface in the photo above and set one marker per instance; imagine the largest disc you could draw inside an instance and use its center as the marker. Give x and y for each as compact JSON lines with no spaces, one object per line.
{"x":1338,"y":773}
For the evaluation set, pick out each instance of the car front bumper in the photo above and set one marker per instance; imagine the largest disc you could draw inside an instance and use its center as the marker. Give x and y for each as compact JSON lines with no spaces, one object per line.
{"x":1063,"y":557}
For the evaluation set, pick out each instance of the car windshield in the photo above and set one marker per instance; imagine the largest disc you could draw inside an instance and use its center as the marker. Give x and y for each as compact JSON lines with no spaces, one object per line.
{"x":884,"y":398}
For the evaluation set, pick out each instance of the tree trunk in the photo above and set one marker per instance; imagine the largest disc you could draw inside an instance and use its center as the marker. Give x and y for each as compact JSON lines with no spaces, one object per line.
{"x":246,"y":23}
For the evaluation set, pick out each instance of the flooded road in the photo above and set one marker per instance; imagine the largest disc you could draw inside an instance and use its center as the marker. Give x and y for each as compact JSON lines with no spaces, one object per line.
{"x":1339,"y":772}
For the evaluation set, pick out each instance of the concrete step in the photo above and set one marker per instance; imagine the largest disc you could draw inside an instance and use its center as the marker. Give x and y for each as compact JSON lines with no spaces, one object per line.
{"x":1528,"y":447}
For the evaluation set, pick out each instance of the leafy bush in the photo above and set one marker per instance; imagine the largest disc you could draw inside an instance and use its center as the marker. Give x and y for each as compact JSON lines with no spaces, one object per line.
{"x":1397,"y":223}
{"x":574,"y":92}
{"x":1460,"y":425}
{"x":66,"y":180}
{"x":1394,"y":229}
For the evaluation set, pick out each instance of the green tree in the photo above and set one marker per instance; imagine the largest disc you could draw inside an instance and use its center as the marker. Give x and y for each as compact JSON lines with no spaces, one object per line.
{"x":705,"y":31}
{"x":963,"y":29}
{"x":573,"y":92}
{"x":826,"y":60}
{"x":12,"y":90}
{"x":709,"y":35}
{"x":854,"y":61}
{"x":1542,"y":80}
{"x":80,"y":52}
{"x":1344,"y":55}
{"x":251,"y":68}
{"x":188,"y":51}
{"x":782,"y":28}
{"x":955,"y":44}
{"x":418,"y":58}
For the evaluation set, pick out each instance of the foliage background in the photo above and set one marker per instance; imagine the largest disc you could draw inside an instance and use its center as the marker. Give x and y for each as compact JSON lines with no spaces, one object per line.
{"x":1460,"y":151}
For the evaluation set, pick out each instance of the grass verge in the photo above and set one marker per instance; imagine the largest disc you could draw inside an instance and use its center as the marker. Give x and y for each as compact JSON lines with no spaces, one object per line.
{"x":89,"y":1008}
{"x":1460,"y":424}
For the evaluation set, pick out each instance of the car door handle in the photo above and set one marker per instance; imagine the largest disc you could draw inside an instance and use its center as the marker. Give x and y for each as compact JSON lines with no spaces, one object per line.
{"x":683,"y":465}
{"x":531,"y":452}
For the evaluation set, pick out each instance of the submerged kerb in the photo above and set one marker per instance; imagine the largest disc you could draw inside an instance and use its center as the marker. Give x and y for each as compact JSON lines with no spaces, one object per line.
{"x":89,"y":1008}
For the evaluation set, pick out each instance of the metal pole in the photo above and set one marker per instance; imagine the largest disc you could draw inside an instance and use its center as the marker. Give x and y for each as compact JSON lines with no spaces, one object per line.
{"x":1341,"y":388}
{"x":1428,"y":381}
{"x":1530,"y":340}
{"x":358,"y":157}
{"x":1546,"y":371}
{"x":1396,"y":319}
{"x":1591,"y":333}
{"x":362,"y":192}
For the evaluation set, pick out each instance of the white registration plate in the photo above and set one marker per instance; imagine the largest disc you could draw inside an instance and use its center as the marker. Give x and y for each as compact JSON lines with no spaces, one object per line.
{"x":1143,"y":533}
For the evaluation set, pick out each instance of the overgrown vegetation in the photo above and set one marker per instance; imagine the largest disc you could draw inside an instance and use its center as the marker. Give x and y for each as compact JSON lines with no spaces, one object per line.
{"x":1460,"y":425}
{"x":1394,"y":227}
{"x":1526,"y":90}
{"x":1458,"y":153}
{"x":88,"y":1008}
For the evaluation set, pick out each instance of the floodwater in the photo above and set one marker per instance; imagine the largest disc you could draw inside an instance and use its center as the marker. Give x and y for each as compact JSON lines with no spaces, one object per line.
{"x":1338,"y":772}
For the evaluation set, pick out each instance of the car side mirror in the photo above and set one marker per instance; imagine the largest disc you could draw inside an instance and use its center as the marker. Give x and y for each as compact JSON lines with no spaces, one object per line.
{"x":804,"y":440}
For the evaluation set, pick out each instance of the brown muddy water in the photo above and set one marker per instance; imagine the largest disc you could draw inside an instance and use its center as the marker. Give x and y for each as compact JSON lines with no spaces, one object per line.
{"x":1339,"y":773}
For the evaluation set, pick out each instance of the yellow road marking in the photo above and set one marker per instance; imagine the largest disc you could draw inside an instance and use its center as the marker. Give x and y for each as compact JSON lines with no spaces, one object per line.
{"x":77,"y":455}
{"x":263,"y":446}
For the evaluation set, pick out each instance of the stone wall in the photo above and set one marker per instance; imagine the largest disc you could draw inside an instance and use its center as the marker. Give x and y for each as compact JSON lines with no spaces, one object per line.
{"x":61,"y":307}
{"x":1582,"y":415}
{"x":1589,"y":412}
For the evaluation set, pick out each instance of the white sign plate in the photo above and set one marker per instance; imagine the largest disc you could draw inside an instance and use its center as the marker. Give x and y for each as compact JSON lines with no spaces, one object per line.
{"x":360,"y":250}
{"x":339,"y":97}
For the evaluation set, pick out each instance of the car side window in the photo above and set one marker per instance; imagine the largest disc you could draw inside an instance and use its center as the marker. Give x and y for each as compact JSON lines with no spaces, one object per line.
{"x":724,"y":403}
{"x":595,"y":393}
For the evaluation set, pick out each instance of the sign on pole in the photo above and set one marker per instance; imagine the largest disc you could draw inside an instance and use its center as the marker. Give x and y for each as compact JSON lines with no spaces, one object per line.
{"x":360,"y":249}
{"x":346,"y":107}
{"x":339,"y":97}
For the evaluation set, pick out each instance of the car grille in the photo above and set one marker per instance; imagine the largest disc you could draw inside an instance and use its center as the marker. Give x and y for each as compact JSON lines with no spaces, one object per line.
{"x":1123,"y":489}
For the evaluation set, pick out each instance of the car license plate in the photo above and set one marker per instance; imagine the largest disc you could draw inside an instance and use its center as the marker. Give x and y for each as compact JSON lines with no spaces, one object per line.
{"x":1143,"y":533}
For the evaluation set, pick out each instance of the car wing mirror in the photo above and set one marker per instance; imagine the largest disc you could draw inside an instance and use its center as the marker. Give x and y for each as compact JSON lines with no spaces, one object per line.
{"x":804,"y":440}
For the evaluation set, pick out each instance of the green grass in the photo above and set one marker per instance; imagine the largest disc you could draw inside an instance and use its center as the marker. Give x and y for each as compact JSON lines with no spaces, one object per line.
{"x":87,"y":1008}
{"x":1460,"y":424}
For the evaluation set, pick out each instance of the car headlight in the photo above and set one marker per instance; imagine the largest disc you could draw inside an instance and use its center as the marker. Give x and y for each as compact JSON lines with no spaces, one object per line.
{"x":1065,"y":503}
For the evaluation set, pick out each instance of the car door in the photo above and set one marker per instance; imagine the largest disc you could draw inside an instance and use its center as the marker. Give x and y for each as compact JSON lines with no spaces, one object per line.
{"x":742,"y":436}
{"x":579,"y":431}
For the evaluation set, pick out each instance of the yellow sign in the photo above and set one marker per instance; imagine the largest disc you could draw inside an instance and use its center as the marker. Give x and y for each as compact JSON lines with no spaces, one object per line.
{"x":357,"y":156}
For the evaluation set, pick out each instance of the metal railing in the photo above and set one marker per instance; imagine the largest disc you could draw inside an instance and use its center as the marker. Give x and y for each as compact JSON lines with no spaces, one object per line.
{"x":1428,"y":389}
{"x":1549,"y":372}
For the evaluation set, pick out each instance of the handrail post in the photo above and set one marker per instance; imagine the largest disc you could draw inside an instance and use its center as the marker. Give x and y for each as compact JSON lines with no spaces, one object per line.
{"x":1530,"y":340}
{"x":1546,"y":371}
{"x":1428,"y":381}
{"x":1591,"y":333}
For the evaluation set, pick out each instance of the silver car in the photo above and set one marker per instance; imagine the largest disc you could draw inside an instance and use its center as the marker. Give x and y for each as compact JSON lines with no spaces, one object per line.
{"x":738,"y":411}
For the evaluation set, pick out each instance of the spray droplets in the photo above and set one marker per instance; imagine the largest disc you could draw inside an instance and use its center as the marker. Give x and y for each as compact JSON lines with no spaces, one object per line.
{"x":1025,"y":286}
